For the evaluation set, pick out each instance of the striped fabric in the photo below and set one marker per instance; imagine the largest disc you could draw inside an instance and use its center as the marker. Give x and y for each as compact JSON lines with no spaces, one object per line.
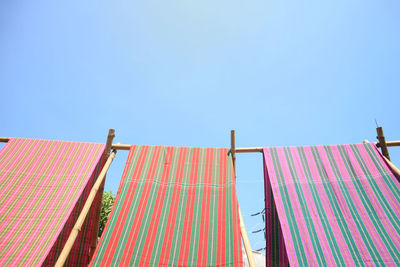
{"x":43,"y":186}
{"x":176,"y":206}
{"x":275,"y":248}
{"x":337,"y":205}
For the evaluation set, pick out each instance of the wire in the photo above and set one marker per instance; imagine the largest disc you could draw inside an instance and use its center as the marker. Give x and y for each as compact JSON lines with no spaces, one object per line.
{"x":257,"y":231}
{"x":258,"y":213}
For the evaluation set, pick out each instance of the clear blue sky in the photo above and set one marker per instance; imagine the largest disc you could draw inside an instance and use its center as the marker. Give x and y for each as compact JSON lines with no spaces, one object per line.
{"x":185,"y":73}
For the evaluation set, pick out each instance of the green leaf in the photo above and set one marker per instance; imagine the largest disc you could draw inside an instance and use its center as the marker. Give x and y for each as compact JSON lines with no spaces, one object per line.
{"x":106,"y":205}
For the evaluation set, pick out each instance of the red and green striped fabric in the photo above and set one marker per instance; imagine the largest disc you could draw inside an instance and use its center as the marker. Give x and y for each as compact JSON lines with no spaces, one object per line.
{"x":176,"y":206}
{"x":43,"y":186}
{"x":337,"y":205}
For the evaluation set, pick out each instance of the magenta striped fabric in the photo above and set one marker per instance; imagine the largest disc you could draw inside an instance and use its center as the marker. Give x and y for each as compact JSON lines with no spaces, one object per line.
{"x":336,"y":205}
{"x":43,"y":186}
{"x":275,"y":246}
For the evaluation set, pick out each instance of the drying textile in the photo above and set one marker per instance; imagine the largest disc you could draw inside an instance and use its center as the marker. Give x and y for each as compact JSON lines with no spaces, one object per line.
{"x":275,"y":246}
{"x":43,"y":186}
{"x":176,"y":206}
{"x":337,"y":205}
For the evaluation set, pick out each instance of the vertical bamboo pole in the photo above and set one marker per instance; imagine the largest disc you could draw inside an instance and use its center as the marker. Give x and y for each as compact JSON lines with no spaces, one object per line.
{"x":99,"y":196}
{"x":233,"y":148}
{"x":85,"y":210}
{"x":382,"y":142}
{"x":246,"y":242}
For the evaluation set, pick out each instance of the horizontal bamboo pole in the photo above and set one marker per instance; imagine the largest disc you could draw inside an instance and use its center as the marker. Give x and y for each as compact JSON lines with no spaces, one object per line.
{"x":390,"y":143}
{"x":260,"y":149}
{"x":82,"y":216}
{"x":121,"y":147}
{"x":248,"y":149}
{"x":5,"y":139}
{"x":238,"y":149}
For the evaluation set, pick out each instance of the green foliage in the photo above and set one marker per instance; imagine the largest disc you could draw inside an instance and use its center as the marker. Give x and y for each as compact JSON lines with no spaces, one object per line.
{"x":106,"y":205}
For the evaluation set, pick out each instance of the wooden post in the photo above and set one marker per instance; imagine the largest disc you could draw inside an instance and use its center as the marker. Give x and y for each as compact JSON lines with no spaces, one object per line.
{"x":4,"y":139}
{"x":85,"y":210}
{"x":246,"y":242}
{"x":233,"y":148}
{"x":99,"y":196}
{"x":382,"y":142}
{"x":394,"y":168}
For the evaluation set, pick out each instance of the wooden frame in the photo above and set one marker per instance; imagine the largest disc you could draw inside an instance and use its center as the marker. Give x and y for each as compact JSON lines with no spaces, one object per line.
{"x":85,"y":210}
{"x":382,"y":142}
{"x":99,"y":195}
{"x":245,"y":238}
{"x":98,"y":188}
{"x":237,"y":150}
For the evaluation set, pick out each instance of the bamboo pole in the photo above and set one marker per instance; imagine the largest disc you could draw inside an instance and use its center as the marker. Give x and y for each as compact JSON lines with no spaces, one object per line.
{"x":382,"y":142}
{"x":248,"y":149}
{"x":252,"y":149}
{"x":391,"y":143}
{"x":120,"y":147}
{"x":394,"y":168}
{"x":4,"y":139}
{"x":233,"y":150}
{"x":78,"y":225}
{"x":246,"y":242}
{"x":99,"y":196}
{"x":238,"y":149}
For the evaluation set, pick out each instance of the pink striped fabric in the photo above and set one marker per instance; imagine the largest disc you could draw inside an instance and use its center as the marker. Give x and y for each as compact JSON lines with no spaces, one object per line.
{"x":43,"y":186}
{"x":275,"y":246}
{"x":337,"y":205}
